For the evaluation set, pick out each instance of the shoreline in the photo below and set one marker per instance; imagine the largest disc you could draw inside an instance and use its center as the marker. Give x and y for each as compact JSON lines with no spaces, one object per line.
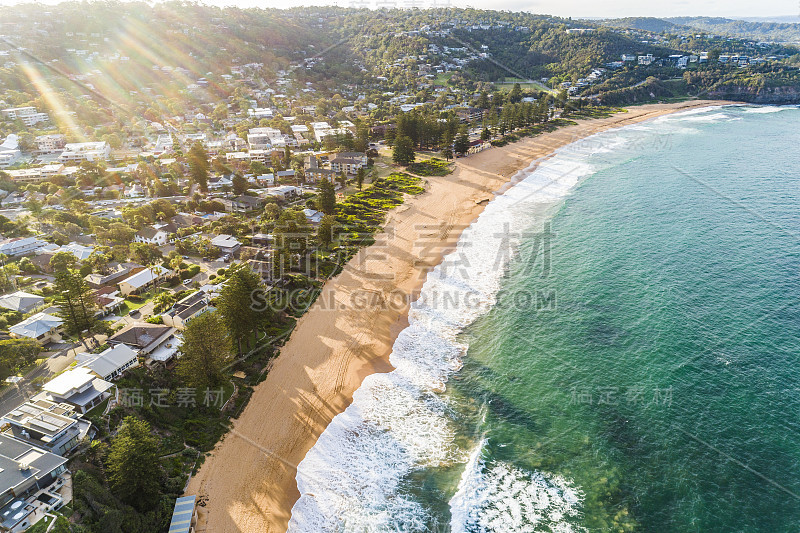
{"x":349,"y":332}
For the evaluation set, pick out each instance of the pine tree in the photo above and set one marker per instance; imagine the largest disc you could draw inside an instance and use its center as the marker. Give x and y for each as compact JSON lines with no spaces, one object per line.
{"x":360,"y":174}
{"x":205,"y":350}
{"x":198,"y":166}
{"x":75,"y":301}
{"x":133,"y":469}
{"x":326,"y":201}
{"x":403,"y":151}
{"x":240,"y":306}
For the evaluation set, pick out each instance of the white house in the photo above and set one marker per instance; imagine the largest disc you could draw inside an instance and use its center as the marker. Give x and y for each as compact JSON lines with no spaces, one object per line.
{"x":28,"y":115}
{"x":142,"y":280}
{"x":186,"y":309}
{"x":79,"y":387}
{"x":80,"y":251}
{"x":89,"y":151}
{"x":110,"y":363}
{"x":9,"y":151}
{"x":151,"y":235}
{"x":226,"y":244}
{"x":51,"y":143}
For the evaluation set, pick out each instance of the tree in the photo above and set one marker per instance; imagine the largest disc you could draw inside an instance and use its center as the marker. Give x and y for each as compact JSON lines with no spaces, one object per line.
{"x":99,"y":259}
{"x":75,"y":301}
{"x":326,"y":201}
{"x":205,"y":350}
{"x":461,"y":145}
{"x":325,"y":231}
{"x":241,"y":312}
{"x":291,"y":235}
{"x":134,"y":471}
{"x":360,"y":174}
{"x":486,"y":135}
{"x":516,"y":94}
{"x":198,"y":166}
{"x":62,"y":261}
{"x":145,"y":253}
{"x":240,"y":184}
{"x":403,"y":151}
{"x":15,"y":354}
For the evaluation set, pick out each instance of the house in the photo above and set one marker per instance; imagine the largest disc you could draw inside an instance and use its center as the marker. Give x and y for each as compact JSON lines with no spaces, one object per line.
{"x":262,"y":239}
{"x":80,"y":251}
{"x":28,"y":115}
{"x":41,"y":327}
{"x":21,"y":301}
{"x":55,"y":427}
{"x":313,"y":216}
{"x":284,"y":192}
{"x":151,"y":235}
{"x":20,"y":246}
{"x":157,"y":343}
{"x":186,"y":309}
{"x":89,"y":151}
{"x":469,"y":114}
{"x":110,"y":363}
{"x":79,"y":387}
{"x":285,"y":175}
{"x":25,"y":469}
{"x":142,"y":280}
{"x":119,"y":271}
{"x":349,"y":162}
{"x":226,"y":244}
{"x":242,"y":204}
{"x":9,"y":151}
{"x":55,"y":142}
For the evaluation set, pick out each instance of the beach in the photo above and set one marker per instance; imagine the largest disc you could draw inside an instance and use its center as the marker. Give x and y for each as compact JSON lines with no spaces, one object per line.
{"x":248,"y":483}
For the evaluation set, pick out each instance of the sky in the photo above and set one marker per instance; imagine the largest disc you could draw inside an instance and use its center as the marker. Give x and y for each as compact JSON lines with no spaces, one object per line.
{"x":564,"y":8}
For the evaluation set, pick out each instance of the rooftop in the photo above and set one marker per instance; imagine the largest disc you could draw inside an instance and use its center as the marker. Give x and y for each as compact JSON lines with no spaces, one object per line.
{"x":36,"y":325}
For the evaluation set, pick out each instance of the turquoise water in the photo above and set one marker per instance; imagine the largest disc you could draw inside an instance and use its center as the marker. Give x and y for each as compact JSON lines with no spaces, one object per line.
{"x":665,"y":383}
{"x":612,"y":347}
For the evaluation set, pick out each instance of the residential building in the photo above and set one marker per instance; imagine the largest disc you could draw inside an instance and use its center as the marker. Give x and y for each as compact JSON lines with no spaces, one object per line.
{"x":264,"y":138}
{"x":21,"y":301}
{"x":186,"y":309}
{"x":55,"y":142}
{"x":285,"y":192}
{"x":108,"y":300}
{"x":157,"y":343}
{"x":118,"y":272}
{"x":27,"y":175}
{"x":78,"y":387}
{"x":349,"y":162}
{"x":469,"y":114}
{"x":313,"y":216}
{"x":142,"y":280}
{"x":9,"y":151}
{"x":28,"y":115}
{"x":19,"y":246}
{"x":242,"y":204}
{"x":25,"y":469}
{"x":151,"y":235}
{"x":226,"y":244}
{"x":89,"y":151}
{"x":55,"y":427}
{"x":41,"y":327}
{"x":80,"y":251}
{"x":110,"y":363}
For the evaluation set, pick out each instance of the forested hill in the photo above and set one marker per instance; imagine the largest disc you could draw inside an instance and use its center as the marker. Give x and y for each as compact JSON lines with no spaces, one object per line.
{"x":758,"y":31}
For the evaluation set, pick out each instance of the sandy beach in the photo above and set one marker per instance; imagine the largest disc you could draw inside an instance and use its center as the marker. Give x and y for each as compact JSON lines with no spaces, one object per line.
{"x":248,"y":483}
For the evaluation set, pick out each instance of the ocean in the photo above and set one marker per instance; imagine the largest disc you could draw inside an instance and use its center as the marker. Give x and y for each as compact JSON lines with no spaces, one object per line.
{"x":613,"y":346}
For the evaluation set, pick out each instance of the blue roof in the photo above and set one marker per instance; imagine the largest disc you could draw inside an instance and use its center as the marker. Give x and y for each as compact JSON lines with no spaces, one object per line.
{"x":182,"y":515}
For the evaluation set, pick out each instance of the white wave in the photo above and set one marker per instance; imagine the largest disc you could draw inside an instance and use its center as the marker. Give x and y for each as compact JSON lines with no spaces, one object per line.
{"x":499,"y":498}
{"x":767,"y":109}
{"x":351,"y":480}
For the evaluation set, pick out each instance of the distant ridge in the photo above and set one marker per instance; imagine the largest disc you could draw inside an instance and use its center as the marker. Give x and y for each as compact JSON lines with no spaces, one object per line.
{"x":785,"y":31}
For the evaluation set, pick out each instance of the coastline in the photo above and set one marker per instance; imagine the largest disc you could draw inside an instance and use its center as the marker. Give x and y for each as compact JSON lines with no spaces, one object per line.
{"x":249,"y":480}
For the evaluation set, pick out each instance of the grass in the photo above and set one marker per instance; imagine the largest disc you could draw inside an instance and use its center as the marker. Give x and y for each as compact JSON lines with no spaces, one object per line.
{"x":443,"y":78}
{"x":430,"y":167}
{"x":98,"y":409}
{"x":508,"y":83}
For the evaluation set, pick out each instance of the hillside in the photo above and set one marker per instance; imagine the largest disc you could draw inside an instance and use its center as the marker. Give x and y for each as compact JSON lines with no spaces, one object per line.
{"x":783,"y":32}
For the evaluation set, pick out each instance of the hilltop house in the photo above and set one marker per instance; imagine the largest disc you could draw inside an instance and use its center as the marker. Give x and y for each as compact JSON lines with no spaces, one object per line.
{"x":242,"y":204}
{"x":158,"y":234}
{"x":226,"y":244}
